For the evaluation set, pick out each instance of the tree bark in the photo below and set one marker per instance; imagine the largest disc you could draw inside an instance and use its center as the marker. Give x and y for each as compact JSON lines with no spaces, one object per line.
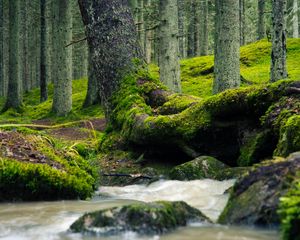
{"x":62,"y":98}
{"x":14,"y":94}
{"x":43,"y":52}
{"x":295,"y":19}
{"x":1,"y":50}
{"x":204,"y":29}
{"x":261,"y":27}
{"x":181,"y":28}
{"x":168,"y":45}
{"x":227,"y":46}
{"x":278,"y":55}
{"x":113,"y":59}
{"x":242,"y":22}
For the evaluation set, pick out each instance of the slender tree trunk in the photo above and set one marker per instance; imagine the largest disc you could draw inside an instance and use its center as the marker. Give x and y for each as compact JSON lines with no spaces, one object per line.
{"x":242,"y":22}
{"x":278,"y":55}
{"x":1,"y":49}
{"x":168,"y":45}
{"x":62,"y":98}
{"x":14,"y":94}
{"x":295,"y":19}
{"x":204,"y":29}
{"x":113,"y":59}
{"x":43,"y":61}
{"x":227,"y":46}
{"x":181,"y":28}
{"x":148,"y":33}
{"x":191,"y":51}
{"x":261,"y":27}
{"x":26,"y":36}
{"x":93,"y":92}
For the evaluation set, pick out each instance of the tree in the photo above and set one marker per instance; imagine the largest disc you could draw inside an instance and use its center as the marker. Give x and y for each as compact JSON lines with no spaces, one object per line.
{"x":295,"y":19}
{"x":261,"y":28}
{"x":112,"y":59}
{"x":1,"y":49}
{"x":227,"y":46}
{"x":278,"y":55}
{"x":14,"y":92}
{"x":43,"y":52}
{"x":62,"y":98}
{"x":168,"y":45}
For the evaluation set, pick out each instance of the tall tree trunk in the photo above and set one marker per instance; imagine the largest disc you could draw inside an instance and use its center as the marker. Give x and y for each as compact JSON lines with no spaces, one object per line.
{"x":168,"y":45}
{"x":278,"y":55}
{"x":227,"y":46}
{"x":295,"y":19}
{"x":242,"y":22}
{"x":62,"y":98}
{"x":261,"y":27}
{"x":113,"y":59}
{"x":181,"y":28}
{"x":191,"y":51}
{"x":14,"y":94}
{"x":43,"y":52}
{"x":148,"y":33}
{"x":204,"y":29}
{"x":1,"y":49}
{"x":93,"y":92}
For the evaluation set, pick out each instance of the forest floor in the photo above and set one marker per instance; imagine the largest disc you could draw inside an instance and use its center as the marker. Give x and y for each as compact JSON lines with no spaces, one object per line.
{"x":82,"y":130}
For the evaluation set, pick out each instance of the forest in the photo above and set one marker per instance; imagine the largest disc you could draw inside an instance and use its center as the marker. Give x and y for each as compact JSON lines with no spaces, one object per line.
{"x":149,"y":119}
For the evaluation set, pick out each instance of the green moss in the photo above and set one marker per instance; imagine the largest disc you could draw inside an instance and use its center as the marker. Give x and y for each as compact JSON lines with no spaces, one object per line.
{"x":289,"y":140}
{"x":289,"y":212}
{"x":26,"y":181}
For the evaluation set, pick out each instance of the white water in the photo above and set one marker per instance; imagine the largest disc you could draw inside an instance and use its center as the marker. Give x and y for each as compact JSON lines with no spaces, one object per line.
{"x":51,"y":220}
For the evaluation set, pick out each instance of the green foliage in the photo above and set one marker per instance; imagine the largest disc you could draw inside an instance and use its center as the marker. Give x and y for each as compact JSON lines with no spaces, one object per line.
{"x":289,"y":212}
{"x":26,"y":181}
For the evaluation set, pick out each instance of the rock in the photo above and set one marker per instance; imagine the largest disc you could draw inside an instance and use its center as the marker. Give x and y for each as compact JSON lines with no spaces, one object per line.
{"x":143,"y":218}
{"x":255,"y":197}
{"x":199,"y":168}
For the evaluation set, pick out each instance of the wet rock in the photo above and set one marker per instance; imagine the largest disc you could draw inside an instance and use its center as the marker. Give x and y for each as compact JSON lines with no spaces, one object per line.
{"x":143,"y":218}
{"x":255,"y":197}
{"x":199,"y":168}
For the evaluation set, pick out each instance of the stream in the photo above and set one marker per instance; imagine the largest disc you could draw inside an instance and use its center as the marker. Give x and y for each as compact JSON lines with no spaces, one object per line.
{"x":51,"y":220}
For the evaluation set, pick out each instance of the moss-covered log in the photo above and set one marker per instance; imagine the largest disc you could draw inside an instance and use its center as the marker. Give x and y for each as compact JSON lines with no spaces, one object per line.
{"x":144,"y":116}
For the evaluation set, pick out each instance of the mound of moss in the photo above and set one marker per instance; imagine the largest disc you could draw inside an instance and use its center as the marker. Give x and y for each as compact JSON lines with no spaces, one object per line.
{"x":143,"y":218}
{"x":34,"y":167}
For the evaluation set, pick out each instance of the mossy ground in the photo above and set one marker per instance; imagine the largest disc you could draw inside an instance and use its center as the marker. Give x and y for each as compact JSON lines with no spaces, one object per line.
{"x":197,"y":73}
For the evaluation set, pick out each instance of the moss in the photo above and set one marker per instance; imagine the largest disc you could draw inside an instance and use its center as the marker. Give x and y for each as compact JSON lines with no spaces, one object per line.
{"x":289,"y":212}
{"x":257,"y":147}
{"x":26,"y":181}
{"x":289,"y":140}
{"x":144,"y":218}
{"x":199,"y":168}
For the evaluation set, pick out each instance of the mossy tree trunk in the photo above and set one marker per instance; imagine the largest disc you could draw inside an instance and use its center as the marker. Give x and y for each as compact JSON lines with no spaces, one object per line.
{"x":1,"y":49}
{"x":227,"y":45}
{"x":169,"y":66}
{"x":295,"y":19}
{"x":112,"y":59}
{"x":261,"y":28}
{"x":62,"y":98}
{"x":181,"y":28}
{"x":149,"y":120}
{"x":278,"y":55}
{"x":14,"y":92}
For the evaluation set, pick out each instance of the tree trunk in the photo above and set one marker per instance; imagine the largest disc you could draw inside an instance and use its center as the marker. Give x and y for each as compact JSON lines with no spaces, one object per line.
{"x":295,"y":19}
{"x":113,"y":59}
{"x":168,"y":45}
{"x":191,"y":51}
{"x":261,"y":28}
{"x":148,"y":35}
{"x":181,"y":28}
{"x":93,"y":93}
{"x":43,"y":52}
{"x":62,"y":98}
{"x":242,"y":22}
{"x":278,"y":55}
{"x":1,"y":50}
{"x":204,"y":29}
{"x":227,"y":46}
{"x":14,"y":94}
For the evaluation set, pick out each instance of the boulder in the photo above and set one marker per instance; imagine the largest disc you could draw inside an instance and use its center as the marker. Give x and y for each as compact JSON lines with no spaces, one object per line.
{"x":199,"y":168}
{"x":255,"y":197}
{"x":143,"y":218}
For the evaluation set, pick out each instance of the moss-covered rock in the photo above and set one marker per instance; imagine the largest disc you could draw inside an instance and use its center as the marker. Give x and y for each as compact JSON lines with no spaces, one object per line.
{"x":199,"y":168}
{"x":255,"y":197}
{"x":290,"y":212}
{"x":143,"y":218}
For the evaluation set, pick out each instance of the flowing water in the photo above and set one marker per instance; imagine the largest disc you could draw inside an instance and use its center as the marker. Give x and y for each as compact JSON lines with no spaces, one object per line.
{"x":51,"y":220}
